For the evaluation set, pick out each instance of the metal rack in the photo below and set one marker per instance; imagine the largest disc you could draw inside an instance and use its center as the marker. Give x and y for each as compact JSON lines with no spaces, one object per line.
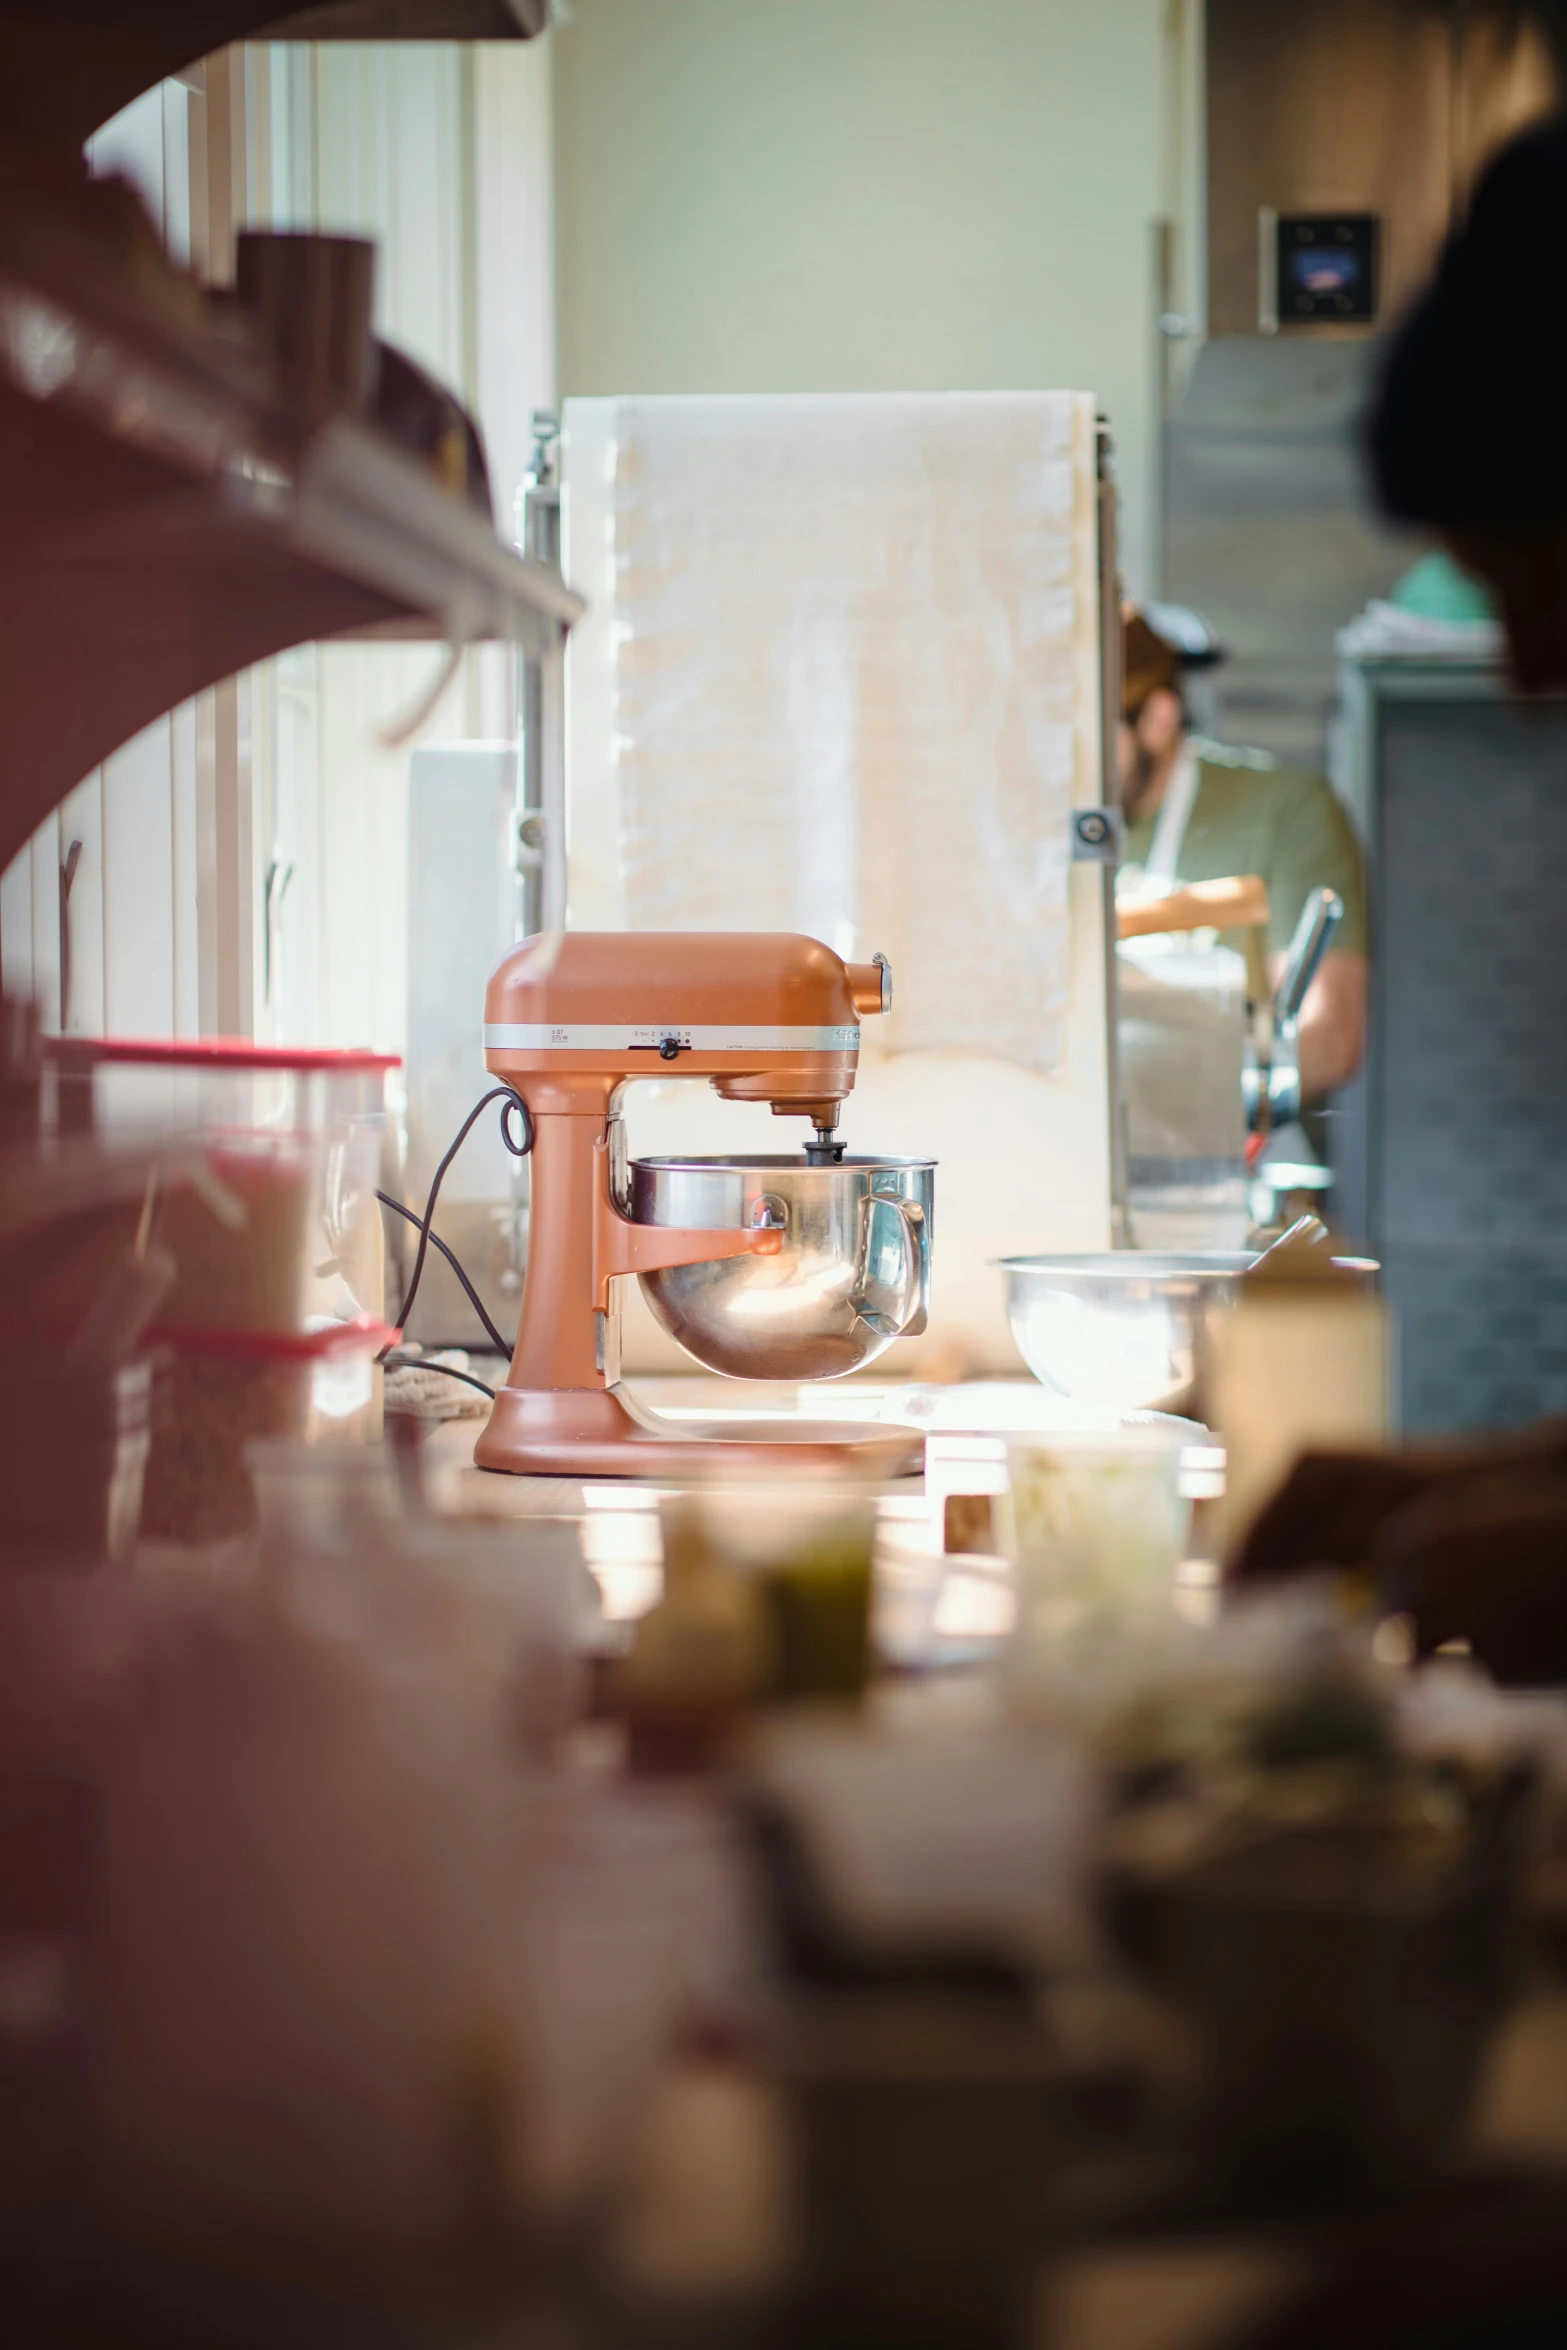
{"x":166,"y":518}
{"x":1109,"y":567}
{"x":541,"y":703}
{"x":67,"y":65}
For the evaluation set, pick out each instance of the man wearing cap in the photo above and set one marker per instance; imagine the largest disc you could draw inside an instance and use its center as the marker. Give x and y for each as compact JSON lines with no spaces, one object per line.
{"x":1202,"y":811}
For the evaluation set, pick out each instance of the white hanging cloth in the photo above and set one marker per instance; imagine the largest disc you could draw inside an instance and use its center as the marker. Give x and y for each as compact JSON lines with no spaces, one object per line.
{"x":853,"y":668}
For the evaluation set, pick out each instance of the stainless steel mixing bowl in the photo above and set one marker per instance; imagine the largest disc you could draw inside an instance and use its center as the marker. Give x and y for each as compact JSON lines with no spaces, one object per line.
{"x":852,"y":1275}
{"x":1123,"y":1329}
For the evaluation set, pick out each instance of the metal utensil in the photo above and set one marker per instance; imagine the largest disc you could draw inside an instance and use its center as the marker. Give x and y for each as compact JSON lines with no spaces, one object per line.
{"x":1273,"y":1095}
{"x":1319,"y":919}
{"x":853,"y":1272}
{"x":1307,"y":1232}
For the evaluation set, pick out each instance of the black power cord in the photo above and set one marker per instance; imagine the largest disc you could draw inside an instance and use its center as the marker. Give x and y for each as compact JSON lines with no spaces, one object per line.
{"x":513,"y":1101}
{"x":399,"y":1361}
{"x":436,"y":1242}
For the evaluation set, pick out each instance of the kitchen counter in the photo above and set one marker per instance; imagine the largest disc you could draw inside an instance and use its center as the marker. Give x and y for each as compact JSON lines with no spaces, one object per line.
{"x":1133,"y":2255}
{"x":934,"y":1608}
{"x":1130,"y":2253}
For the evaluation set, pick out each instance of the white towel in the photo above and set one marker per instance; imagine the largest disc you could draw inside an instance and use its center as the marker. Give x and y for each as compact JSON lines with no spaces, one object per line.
{"x":847,"y":669}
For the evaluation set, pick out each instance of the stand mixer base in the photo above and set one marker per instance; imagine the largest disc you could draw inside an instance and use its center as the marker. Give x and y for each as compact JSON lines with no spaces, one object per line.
{"x":600,"y":1432}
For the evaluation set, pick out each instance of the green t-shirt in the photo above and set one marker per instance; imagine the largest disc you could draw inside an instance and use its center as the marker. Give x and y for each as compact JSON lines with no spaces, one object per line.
{"x":1251,"y":815}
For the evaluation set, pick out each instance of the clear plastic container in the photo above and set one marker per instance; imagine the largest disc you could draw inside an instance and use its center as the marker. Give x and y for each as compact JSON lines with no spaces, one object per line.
{"x":221,"y":1391}
{"x":273,"y":1223}
{"x":1099,"y":1524}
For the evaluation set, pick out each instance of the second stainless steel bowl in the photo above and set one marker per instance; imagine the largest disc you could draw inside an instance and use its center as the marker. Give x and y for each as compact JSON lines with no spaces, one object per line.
{"x":1121,"y":1329}
{"x":852,"y":1275}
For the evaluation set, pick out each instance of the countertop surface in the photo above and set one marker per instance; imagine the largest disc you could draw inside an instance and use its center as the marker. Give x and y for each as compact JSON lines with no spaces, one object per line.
{"x":1131,"y":2259}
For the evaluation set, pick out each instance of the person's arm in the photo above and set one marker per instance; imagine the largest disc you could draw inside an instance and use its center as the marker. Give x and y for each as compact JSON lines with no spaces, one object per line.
{"x":1238,"y":902}
{"x":1332,"y":1023}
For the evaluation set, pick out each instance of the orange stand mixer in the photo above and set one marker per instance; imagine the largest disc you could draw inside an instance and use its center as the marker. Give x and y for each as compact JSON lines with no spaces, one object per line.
{"x":826,"y":1257}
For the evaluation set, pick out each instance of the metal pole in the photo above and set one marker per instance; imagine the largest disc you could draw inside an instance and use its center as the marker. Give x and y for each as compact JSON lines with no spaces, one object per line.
{"x":1110,"y":797}
{"x":541,"y":844}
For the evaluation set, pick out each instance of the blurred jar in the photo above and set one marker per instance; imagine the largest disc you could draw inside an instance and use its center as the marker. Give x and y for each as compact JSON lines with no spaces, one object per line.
{"x":1098,"y":1527}
{"x":817,"y":1584}
{"x":502,"y":1609}
{"x":1302,"y":1362}
{"x":700,"y":1655}
{"x":809,"y":1553}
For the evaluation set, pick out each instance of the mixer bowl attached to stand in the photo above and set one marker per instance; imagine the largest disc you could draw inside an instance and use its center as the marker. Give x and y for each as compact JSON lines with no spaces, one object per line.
{"x":851,"y":1272}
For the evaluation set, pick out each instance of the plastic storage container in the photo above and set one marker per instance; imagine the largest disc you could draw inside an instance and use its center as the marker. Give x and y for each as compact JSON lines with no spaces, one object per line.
{"x":267,"y":1206}
{"x":276,"y":1227}
{"x":223,"y":1390}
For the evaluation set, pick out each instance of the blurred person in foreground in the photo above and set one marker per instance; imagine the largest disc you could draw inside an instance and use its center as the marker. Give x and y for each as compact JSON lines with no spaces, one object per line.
{"x":1468,"y":437}
{"x":1204,"y":811}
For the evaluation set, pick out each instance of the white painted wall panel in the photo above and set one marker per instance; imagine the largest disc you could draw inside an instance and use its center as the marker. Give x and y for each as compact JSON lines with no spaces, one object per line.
{"x":869,"y":195}
{"x":514,"y":261}
{"x":184,"y":946}
{"x":46,"y":920}
{"x":138,"y":886}
{"x":16,"y":924}
{"x":81,"y":821}
{"x":133,"y":144}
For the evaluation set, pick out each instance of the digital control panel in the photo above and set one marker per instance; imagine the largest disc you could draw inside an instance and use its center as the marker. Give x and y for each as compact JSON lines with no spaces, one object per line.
{"x":1317,"y":269}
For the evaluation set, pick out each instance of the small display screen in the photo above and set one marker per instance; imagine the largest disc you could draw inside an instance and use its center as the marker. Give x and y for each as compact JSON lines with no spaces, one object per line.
{"x":1327,"y":268}
{"x":1323,"y":269}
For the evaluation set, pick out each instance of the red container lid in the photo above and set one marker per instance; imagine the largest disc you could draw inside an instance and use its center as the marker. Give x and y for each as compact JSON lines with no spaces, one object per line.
{"x":365,"y":1335}
{"x":218,"y":1052}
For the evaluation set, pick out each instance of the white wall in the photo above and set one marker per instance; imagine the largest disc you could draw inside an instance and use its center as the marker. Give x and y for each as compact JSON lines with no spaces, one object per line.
{"x":860,"y":195}
{"x":440,"y":152}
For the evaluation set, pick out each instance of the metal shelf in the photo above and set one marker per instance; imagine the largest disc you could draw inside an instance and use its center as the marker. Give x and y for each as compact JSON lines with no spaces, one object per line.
{"x":166,"y":518}
{"x":67,"y":65}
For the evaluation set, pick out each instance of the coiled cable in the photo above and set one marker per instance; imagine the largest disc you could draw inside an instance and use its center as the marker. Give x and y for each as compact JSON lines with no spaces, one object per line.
{"x":519,"y":1147}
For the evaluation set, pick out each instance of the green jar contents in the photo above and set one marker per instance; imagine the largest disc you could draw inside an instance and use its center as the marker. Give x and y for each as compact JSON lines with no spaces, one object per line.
{"x":818,"y":1597}
{"x":806,"y":1560}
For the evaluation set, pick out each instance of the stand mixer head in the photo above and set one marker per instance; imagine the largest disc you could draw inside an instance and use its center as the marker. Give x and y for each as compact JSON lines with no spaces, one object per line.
{"x":570,"y":1018}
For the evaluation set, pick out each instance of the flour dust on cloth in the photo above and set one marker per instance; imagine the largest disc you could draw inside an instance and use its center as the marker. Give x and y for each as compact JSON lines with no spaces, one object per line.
{"x":846,"y":677}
